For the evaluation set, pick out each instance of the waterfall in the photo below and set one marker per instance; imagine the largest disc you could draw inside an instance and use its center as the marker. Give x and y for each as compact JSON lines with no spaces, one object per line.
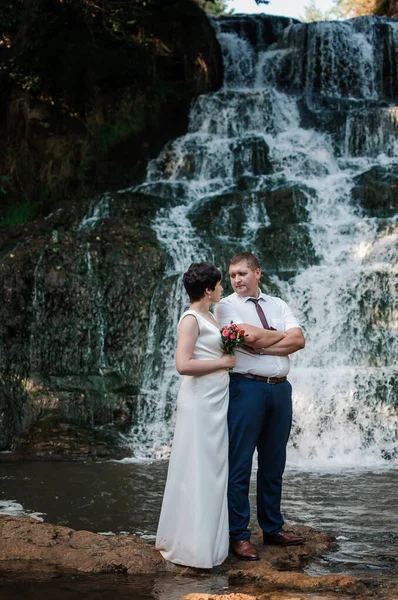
{"x":98,"y":311}
{"x":278,"y":162}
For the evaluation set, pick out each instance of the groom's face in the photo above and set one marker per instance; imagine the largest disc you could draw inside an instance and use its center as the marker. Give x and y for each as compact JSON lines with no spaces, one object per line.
{"x":244,"y":280}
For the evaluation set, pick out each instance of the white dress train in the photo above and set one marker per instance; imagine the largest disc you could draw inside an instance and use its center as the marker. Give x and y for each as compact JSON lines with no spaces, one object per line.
{"x":193,"y":525}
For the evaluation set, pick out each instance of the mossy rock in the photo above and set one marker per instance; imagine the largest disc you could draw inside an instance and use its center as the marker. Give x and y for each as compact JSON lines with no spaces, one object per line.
{"x":286,"y":205}
{"x":376,"y":191}
{"x":231,"y":213}
{"x":229,"y":224}
{"x":251,"y":154}
{"x":51,"y":438}
{"x":78,"y":331}
{"x":285,"y":249}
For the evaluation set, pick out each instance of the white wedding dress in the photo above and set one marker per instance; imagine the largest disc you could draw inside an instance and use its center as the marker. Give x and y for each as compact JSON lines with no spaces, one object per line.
{"x":193,"y":525}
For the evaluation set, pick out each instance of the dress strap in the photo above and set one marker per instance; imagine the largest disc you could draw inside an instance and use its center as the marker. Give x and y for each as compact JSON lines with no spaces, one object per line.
{"x":194,"y":314}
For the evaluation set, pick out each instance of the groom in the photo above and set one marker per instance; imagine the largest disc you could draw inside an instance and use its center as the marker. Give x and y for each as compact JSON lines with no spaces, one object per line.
{"x":260,"y":405}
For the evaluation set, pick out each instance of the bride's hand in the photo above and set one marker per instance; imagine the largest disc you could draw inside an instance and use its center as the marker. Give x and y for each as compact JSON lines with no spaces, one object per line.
{"x":228,"y":361}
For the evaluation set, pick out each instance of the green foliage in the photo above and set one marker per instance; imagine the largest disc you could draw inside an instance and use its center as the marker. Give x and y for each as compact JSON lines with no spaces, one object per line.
{"x":10,"y":16}
{"x":85,"y":45}
{"x":5,"y":182}
{"x":11,"y":13}
{"x":19,"y":214}
{"x":81,"y":79}
{"x":106,"y":136}
{"x":216,"y":7}
{"x":112,"y":134}
{"x":220,"y":7}
{"x":27,"y":81}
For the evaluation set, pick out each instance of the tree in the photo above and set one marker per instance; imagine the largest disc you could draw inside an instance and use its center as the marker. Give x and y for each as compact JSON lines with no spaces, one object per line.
{"x":354,"y":8}
{"x":313,"y":13}
{"x":387,"y":8}
{"x":345,"y":9}
{"x":216,"y":7}
{"x":219,"y":7}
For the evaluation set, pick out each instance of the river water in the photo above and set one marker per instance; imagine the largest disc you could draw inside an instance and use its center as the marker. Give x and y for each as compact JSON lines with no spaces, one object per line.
{"x":358,"y":507}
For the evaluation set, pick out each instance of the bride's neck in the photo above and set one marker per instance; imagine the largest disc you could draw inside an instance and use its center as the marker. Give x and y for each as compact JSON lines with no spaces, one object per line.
{"x":201,"y":306}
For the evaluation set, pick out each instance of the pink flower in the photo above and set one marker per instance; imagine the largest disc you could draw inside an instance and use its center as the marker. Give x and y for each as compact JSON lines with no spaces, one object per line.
{"x":242,"y":332}
{"x":232,"y":336}
{"x":225,"y":333}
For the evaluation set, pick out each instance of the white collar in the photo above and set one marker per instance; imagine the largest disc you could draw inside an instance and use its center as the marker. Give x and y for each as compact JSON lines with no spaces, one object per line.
{"x":260,"y":295}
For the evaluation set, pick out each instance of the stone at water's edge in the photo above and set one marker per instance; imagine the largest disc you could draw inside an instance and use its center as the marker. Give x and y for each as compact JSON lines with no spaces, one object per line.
{"x":64,"y":549}
{"x":37,"y":546}
{"x":51,"y":439}
{"x":238,"y":596}
{"x":217,"y":597}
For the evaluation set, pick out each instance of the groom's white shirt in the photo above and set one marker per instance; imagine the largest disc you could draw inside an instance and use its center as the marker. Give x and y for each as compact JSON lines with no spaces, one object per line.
{"x":241,"y":310}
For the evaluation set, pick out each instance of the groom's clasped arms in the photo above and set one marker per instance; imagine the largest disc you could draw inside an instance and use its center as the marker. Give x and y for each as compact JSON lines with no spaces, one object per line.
{"x":234,"y":398}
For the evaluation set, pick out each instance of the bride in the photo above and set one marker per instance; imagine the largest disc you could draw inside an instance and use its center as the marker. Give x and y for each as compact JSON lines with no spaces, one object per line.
{"x":193,"y":525}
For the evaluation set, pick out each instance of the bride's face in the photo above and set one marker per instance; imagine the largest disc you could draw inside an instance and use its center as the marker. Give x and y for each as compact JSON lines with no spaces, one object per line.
{"x":217,"y":292}
{"x":244,"y":280}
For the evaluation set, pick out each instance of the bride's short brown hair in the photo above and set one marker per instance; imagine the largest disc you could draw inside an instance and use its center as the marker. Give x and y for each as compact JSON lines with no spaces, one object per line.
{"x":198,"y":278}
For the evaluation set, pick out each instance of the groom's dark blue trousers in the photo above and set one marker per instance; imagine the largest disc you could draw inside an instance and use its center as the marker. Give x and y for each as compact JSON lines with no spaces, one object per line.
{"x":259,"y":416}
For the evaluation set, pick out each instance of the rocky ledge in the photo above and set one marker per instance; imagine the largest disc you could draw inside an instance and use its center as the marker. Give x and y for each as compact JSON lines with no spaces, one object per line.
{"x":31,"y":546}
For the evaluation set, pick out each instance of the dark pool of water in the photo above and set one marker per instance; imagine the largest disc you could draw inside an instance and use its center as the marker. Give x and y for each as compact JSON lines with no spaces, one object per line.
{"x":108,"y":587}
{"x":360,"y":508}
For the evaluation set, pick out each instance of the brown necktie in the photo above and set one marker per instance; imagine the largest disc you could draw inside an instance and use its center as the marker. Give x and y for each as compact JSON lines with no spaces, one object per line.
{"x":261,"y":314}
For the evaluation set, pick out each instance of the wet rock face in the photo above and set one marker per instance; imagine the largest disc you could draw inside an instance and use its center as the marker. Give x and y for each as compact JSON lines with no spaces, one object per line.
{"x":285,"y":250}
{"x":376,"y":191}
{"x":74,"y":301}
{"x":75,"y":348}
{"x":282,"y":240}
{"x":52,"y":439}
{"x":261,"y":31}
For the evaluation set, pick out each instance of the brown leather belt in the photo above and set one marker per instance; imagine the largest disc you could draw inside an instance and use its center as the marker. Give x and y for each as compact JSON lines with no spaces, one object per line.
{"x":272,"y":380}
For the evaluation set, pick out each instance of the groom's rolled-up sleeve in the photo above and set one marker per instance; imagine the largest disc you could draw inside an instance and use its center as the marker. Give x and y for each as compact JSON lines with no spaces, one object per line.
{"x":289,"y":318}
{"x":225,"y":313}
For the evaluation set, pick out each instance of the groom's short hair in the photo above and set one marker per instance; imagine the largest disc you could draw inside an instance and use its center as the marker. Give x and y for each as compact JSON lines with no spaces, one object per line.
{"x":250,"y":258}
{"x":198,"y":278}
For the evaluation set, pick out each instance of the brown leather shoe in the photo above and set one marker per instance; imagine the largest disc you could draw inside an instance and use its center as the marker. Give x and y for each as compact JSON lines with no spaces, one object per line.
{"x":283,"y":539}
{"x":243,"y":549}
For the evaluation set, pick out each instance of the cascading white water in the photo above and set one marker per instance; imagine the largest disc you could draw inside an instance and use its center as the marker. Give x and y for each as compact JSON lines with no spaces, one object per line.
{"x":98,"y":210}
{"x":272,"y":126}
{"x":98,"y":312}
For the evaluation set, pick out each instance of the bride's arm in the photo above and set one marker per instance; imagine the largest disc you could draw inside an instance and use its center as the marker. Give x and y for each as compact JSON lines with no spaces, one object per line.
{"x":187,"y":365}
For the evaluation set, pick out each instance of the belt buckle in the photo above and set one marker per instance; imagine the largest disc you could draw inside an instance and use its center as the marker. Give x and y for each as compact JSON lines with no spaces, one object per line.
{"x":270,"y":382}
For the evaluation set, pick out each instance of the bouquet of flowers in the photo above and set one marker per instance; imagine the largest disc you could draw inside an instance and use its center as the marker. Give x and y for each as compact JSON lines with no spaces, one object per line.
{"x":231,"y":338}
